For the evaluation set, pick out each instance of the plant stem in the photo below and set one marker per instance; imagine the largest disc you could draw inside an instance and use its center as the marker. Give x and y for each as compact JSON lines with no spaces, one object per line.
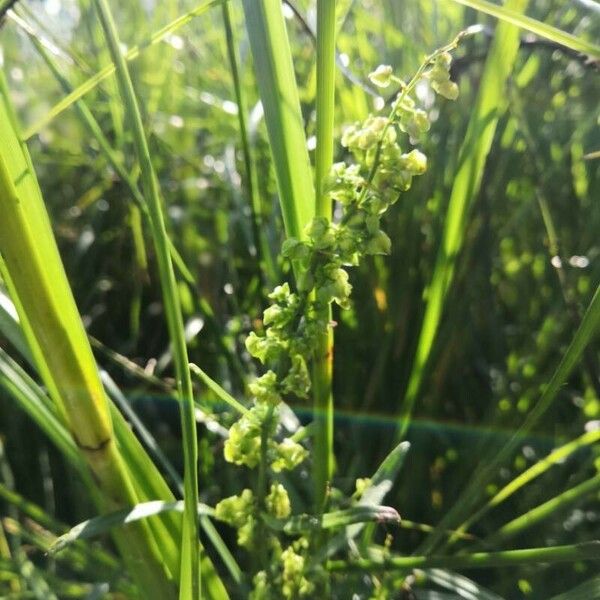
{"x":190,"y":571}
{"x":323,"y":366}
{"x":477,"y":560}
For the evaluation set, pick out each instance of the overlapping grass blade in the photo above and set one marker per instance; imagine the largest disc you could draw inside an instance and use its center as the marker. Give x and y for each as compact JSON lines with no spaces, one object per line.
{"x":34,"y":275}
{"x":107,"y":71}
{"x":104,"y":523}
{"x":554,"y":458}
{"x":536,"y":515}
{"x":463,"y":586}
{"x":513,"y":16}
{"x":590,"y":325}
{"x":279,"y":95}
{"x":467,"y":180}
{"x":476,"y":560}
{"x":189,"y":583}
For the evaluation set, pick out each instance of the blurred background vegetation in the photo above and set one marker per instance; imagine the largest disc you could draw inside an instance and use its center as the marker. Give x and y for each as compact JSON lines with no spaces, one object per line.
{"x":529,"y":266}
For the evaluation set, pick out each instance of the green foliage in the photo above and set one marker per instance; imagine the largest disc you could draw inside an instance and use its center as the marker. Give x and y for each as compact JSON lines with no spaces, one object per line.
{"x":449,"y":243}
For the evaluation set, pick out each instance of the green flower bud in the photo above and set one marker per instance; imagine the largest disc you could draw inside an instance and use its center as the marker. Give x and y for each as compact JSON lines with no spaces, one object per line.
{"x":294,"y":249}
{"x":447,"y":89}
{"x":322,"y":233}
{"x":297,"y":381}
{"x":335,"y":286}
{"x":278,"y":502}
{"x":294,"y":584}
{"x":379,"y":243}
{"x":362,"y":484}
{"x":264,"y":348}
{"x":242,"y":447}
{"x":262,"y":590}
{"x":415,"y":123}
{"x":415,"y":162}
{"x":280,"y":294}
{"x":343,"y":182}
{"x":245,"y":534}
{"x":289,"y":455}
{"x":265,"y":388}
{"x":235,"y":510}
{"x":381,"y":76}
{"x":444,"y":60}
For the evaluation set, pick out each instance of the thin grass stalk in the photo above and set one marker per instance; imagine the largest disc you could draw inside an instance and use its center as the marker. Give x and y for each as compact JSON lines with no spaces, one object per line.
{"x":189,"y":571}
{"x":324,"y":460}
{"x":108,"y":70}
{"x":476,"y":560}
{"x":471,"y":163}
{"x":543,"y":511}
{"x":554,"y":458}
{"x":263,"y":251}
{"x":35,"y":277}
{"x":590,"y":325}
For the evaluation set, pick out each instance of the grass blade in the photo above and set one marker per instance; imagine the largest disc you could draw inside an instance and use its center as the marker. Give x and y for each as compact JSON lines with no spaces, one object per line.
{"x":104,"y":523}
{"x":544,"y":511}
{"x":463,"y":586}
{"x":301,"y":524}
{"x":264,"y":257}
{"x":476,"y":560}
{"x":279,"y":94}
{"x":555,"y":457}
{"x":514,"y":17}
{"x":108,"y":70}
{"x":467,"y":181}
{"x":33,"y":272}
{"x":189,"y":571}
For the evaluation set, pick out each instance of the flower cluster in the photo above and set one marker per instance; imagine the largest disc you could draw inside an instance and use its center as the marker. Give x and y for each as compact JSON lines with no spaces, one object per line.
{"x":376,"y":173}
{"x":290,"y":579}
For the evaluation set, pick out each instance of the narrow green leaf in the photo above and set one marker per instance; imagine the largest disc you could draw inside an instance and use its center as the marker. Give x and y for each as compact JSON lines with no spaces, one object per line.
{"x":472,"y":157}
{"x":277,"y":87}
{"x":466,"y":588}
{"x":189,"y":569}
{"x":34,"y":274}
{"x":589,"y":590}
{"x":104,"y":523}
{"x":107,"y":71}
{"x":508,"y":14}
{"x":555,"y":457}
{"x":300,"y":524}
{"x":477,"y":560}
{"x":545,"y":511}
{"x":219,"y":391}
{"x":381,"y":483}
